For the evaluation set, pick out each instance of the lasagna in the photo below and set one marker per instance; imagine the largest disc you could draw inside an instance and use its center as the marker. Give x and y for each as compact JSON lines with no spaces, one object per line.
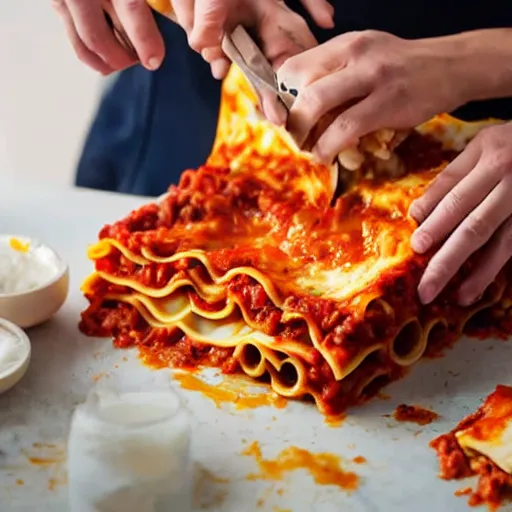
{"x":250,"y":266}
{"x":481,"y":445}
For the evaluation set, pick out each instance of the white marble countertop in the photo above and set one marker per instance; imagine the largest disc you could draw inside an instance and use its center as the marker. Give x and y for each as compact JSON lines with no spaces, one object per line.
{"x":401,"y":470}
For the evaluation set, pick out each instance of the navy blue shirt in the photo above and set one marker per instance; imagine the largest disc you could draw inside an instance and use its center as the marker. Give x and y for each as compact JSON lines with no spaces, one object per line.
{"x":150,"y":126}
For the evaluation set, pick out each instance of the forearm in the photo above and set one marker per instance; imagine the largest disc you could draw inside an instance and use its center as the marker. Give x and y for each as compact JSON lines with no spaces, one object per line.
{"x":482,"y":60}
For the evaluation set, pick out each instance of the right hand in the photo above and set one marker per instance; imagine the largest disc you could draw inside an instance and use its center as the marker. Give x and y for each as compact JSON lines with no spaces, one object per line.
{"x":95,"y":43}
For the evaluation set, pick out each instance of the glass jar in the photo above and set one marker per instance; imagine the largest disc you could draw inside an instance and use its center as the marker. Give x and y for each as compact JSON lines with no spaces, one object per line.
{"x":130,"y":452}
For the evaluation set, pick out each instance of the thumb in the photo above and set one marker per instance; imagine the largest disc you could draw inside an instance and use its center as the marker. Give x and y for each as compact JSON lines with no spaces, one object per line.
{"x":210,"y":17}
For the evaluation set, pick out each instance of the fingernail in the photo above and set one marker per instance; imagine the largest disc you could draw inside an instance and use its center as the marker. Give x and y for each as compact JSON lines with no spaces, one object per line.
{"x":204,"y":54}
{"x":219,"y":68}
{"x":328,"y":21}
{"x":426,"y":293}
{"x":153,"y":63}
{"x":216,"y":72}
{"x":421,"y":241}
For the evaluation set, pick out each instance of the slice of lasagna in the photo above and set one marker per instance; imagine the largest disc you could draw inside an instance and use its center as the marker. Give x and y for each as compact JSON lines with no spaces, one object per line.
{"x":246,"y":266}
{"x":481,"y":445}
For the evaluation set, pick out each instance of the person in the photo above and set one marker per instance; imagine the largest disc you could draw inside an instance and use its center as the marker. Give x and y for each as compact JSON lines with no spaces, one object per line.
{"x":391,"y":64}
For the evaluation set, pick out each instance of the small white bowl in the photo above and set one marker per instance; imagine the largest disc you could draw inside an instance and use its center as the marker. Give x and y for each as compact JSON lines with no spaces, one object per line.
{"x":36,"y":304}
{"x":13,"y":374}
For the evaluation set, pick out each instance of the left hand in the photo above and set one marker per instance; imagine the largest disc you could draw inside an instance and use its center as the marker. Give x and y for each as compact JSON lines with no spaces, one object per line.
{"x":373,"y":80}
{"x":467,"y":206}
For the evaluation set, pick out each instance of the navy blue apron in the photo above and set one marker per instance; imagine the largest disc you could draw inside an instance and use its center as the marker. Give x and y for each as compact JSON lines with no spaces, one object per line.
{"x":150,"y":126}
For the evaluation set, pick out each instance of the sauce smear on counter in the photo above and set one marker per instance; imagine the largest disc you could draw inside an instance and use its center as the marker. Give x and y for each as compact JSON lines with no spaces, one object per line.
{"x":229,"y":393}
{"x":415,"y":414}
{"x":325,"y":468}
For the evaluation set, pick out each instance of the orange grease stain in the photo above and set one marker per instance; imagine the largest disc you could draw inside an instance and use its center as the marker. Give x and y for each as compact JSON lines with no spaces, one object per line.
{"x":218,"y":479}
{"x":40,"y":461}
{"x":359,"y":460}
{"x":325,"y":468}
{"x":277,"y":509}
{"x":52,"y":456}
{"x":221,"y":393}
{"x":54,"y":482}
{"x":19,"y":482}
{"x":414,"y":414}
{"x":383,"y":396}
{"x":463,"y":492}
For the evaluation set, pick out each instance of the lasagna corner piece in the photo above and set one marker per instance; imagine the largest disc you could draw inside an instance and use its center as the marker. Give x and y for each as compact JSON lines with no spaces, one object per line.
{"x":247,"y":267}
{"x":481,"y":445}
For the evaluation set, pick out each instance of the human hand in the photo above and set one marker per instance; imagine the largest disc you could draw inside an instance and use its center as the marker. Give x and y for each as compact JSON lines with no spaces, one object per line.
{"x":281,"y":31}
{"x":468,"y":206}
{"x":95,"y":43}
{"x":370,"y":80}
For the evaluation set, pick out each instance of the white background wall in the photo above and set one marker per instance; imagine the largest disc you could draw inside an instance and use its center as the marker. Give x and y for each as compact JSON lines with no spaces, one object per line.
{"x":47,"y":97}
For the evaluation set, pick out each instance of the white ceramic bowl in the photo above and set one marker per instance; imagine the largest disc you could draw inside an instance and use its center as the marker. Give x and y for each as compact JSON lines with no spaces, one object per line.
{"x":38,"y":303}
{"x":13,"y":374}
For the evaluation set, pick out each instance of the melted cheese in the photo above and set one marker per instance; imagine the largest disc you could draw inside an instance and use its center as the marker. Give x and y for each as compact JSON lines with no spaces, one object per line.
{"x":491,"y":433}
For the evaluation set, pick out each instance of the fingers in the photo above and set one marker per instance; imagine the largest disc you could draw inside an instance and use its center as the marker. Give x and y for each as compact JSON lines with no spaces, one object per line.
{"x":306,"y":67}
{"x":469,"y":187}
{"x":321,"y":11}
{"x":204,"y":22}
{"x":494,"y":257}
{"x":346,"y":130}
{"x":219,"y":63}
{"x":422,"y":207}
{"x":220,"y":68}
{"x":470,"y":235}
{"x":138,"y":22}
{"x":184,"y":11}
{"x":210,"y":18}
{"x":93,"y":31}
{"x":321,"y":97}
{"x":83,"y":53}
